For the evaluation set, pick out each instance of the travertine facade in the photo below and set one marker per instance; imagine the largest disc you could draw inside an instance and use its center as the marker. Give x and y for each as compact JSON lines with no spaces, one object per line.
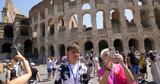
{"x":94,"y":24}
{"x":57,"y":23}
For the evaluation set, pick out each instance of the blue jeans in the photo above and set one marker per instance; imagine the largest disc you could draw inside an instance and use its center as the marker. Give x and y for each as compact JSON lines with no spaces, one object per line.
{"x":135,"y":69}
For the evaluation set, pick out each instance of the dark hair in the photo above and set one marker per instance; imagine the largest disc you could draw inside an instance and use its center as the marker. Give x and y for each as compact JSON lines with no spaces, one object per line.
{"x":152,"y":56}
{"x":74,"y":48}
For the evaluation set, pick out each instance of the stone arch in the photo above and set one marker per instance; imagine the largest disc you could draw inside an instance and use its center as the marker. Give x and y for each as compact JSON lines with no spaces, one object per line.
{"x":62,"y":50}
{"x":148,"y":44}
{"x":51,"y":51}
{"x":50,"y":21}
{"x":73,"y":23}
{"x":118,"y":44}
{"x":133,"y":43}
{"x":6,"y":48}
{"x":86,"y":6}
{"x":51,"y":29}
{"x":157,"y":16}
{"x":28,"y":48}
{"x":129,"y":17}
{"x":61,"y":21}
{"x":144,"y":14}
{"x":8,"y":31}
{"x":115,"y":21}
{"x":100,"y":21}
{"x":42,"y":54}
{"x":102,"y":45}
{"x":87,"y":21}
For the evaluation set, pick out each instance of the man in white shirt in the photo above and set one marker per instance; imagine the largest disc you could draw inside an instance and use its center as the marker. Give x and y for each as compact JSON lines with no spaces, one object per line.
{"x":73,"y":71}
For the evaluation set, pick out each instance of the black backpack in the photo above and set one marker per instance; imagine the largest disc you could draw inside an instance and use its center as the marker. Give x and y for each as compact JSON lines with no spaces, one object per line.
{"x":13,"y":74}
{"x":64,"y":69}
{"x":133,"y":59}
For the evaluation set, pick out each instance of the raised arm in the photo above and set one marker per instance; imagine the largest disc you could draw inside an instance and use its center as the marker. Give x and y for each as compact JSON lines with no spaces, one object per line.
{"x":25,"y":77}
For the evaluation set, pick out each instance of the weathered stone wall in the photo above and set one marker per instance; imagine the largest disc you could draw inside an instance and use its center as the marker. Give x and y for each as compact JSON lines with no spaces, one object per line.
{"x":59,"y":14}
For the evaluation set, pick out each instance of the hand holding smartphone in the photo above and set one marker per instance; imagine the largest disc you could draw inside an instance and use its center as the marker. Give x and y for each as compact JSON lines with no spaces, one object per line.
{"x":112,"y":52}
{"x":14,"y":51}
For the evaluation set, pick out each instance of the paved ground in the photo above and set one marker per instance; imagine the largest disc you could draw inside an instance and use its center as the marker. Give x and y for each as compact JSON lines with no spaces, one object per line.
{"x":43,"y":75}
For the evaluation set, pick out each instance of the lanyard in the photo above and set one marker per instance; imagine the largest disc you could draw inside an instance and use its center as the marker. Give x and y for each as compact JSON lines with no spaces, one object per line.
{"x":75,"y":77}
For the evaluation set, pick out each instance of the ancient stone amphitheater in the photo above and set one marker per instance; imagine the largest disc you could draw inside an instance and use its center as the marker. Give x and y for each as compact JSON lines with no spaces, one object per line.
{"x":94,"y":25}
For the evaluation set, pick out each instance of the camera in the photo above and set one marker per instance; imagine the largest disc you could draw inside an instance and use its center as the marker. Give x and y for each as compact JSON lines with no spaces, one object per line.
{"x":112,"y":52}
{"x":14,"y":51}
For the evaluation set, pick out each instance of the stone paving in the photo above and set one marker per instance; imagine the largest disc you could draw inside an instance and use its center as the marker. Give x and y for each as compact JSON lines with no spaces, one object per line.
{"x":43,"y":75}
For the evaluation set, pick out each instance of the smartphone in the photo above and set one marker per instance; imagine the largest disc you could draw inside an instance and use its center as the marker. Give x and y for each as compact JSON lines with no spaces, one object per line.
{"x":112,"y":52}
{"x":14,"y":51}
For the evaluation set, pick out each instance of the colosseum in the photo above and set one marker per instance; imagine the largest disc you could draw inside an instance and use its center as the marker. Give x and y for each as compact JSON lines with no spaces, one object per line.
{"x":94,"y":24}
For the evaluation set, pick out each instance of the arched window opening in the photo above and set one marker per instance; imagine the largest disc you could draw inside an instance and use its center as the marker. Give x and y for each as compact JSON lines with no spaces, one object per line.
{"x":51,"y":51}
{"x":102,"y":45}
{"x":62,"y":50}
{"x":42,"y":55}
{"x":129,"y":17}
{"x":8,"y":31}
{"x":61,"y":24}
{"x":100,"y":19}
{"x":6,"y":48}
{"x":36,"y":55}
{"x":61,"y":21}
{"x":51,"y":29}
{"x":148,"y":44}
{"x":88,"y":48}
{"x":118,"y":45}
{"x":133,"y":43}
{"x":28,"y":49}
{"x":42,"y":15}
{"x":114,"y":17}
{"x":87,"y":22}
{"x":157,"y":17}
{"x":42,"y":26}
{"x":145,"y":18}
{"x":73,"y":23}
{"x":86,"y":6}
{"x":24,"y":31}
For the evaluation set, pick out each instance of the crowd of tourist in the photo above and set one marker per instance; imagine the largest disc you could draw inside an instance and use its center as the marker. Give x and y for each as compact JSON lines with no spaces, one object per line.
{"x":111,"y":67}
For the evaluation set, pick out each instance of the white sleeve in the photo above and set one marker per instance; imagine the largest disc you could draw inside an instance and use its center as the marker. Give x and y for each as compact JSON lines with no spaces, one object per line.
{"x":57,"y":75}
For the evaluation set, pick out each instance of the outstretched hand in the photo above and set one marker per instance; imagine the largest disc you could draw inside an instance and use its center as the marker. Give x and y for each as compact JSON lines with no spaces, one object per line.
{"x":19,"y":57}
{"x":118,"y":59}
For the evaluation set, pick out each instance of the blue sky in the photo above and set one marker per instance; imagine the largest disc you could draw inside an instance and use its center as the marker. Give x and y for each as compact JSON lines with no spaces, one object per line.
{"x":22,"y":5}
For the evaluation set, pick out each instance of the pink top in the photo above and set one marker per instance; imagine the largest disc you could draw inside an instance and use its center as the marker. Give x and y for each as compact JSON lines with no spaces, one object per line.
{"x":116,"y":75}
